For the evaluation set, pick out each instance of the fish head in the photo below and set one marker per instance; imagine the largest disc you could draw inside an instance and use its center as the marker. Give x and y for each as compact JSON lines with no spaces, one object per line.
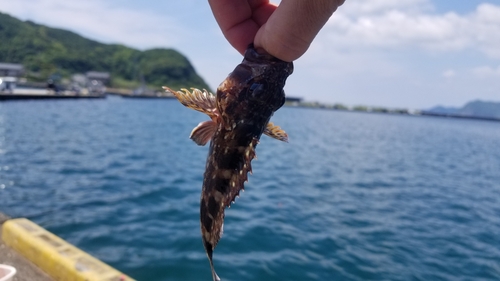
{"x":256,"y":84}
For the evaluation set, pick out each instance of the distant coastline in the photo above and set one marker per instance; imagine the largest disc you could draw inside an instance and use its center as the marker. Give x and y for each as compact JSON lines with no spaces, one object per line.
{"x":479,"y":110}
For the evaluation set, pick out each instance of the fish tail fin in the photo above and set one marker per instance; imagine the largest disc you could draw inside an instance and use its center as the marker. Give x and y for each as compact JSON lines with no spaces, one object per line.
{"x":214,"y":274}
{"x":209,"y":249}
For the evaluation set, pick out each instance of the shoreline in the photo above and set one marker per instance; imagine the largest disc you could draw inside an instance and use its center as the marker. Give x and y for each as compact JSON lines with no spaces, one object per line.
{"x":292,"y":102}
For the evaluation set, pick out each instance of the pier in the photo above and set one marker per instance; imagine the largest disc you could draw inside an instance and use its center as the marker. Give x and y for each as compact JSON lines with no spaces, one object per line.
{"x":39,"y":255}
{"x":26,"y":270}
{"x":36,"y":94}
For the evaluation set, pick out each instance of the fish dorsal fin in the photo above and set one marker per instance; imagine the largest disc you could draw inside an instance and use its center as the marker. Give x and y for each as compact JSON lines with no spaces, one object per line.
{"x":275,"y":132}
{"x":202,"y":101}
{"x":204,"y":132}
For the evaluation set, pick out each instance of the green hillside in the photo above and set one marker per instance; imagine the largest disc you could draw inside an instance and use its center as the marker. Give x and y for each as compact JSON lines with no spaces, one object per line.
{"x":44,"y":51}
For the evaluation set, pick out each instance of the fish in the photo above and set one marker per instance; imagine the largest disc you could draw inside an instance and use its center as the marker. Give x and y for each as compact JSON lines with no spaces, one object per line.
{"x":239,"y":114}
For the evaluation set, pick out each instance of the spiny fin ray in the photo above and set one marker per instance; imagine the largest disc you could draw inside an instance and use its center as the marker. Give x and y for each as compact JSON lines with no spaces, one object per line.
{"x":275,"y":132}
{"x":202,"y":101}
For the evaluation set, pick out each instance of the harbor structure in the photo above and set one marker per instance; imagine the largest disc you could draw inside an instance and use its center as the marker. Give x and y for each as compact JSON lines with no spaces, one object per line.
{"x":97,"y":81}
{"x":9,"y":76}
{"x":11,"y":70}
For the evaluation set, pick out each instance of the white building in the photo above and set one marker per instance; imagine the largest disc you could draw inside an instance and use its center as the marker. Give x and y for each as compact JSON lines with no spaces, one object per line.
{"x":11,"y":70}
{"x":9,"y":75}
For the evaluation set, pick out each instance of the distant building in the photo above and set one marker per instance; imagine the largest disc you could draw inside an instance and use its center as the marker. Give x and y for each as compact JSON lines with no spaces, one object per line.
{"x":9,"y":74}
{"x":79,"y":80}
{"x":11,"y":70}
{"x":293,"y":99}
{"x":97,"y":81}
{"x":101,"y":77}
{"x":7,"y":84}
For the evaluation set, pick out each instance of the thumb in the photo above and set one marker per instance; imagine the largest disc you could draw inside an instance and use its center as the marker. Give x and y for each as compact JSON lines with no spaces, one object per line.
{"x":291,"y":29}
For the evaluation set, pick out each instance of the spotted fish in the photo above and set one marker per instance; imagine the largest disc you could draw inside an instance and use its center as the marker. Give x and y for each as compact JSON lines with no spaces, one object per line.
{"x":239,"y":113}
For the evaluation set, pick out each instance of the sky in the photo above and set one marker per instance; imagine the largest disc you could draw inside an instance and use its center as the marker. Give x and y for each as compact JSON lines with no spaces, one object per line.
{"x":412,"y":54}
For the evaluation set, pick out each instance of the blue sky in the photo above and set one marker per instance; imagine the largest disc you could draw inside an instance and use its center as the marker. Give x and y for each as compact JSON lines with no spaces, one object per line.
{"x":395,"y":53}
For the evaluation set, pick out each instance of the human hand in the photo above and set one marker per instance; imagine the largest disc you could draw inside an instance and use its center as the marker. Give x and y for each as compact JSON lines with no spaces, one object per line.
{"x":284,"y":31}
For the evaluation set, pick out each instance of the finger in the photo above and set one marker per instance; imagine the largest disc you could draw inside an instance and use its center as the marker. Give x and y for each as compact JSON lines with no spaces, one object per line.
{"x":239,"y":20}
{"x":292,"y":27}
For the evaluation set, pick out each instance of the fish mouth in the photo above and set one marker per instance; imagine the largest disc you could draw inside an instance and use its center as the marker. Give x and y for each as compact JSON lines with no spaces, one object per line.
{"x":259,"y":55}
{"x":257,"y":64}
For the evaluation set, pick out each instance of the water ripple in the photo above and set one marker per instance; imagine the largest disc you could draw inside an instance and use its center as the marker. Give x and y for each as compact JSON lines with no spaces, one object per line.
{"x":353,"y":196}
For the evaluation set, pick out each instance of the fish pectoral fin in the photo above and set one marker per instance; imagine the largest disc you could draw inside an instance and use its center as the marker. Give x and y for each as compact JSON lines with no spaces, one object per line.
{"x":202,"y":101}
{"x":275,"y":132}
{"x":204,"y":132}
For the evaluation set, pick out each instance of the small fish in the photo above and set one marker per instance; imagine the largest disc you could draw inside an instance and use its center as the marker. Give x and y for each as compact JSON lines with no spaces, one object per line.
{"x":239,"y":113}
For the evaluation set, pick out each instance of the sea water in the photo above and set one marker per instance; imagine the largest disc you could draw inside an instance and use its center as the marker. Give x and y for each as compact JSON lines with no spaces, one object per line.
{"x":352,"y":196}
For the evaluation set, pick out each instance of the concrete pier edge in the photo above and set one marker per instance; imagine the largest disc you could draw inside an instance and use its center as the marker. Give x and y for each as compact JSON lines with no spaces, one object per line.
{"x":26,"y":270}
{"x":39,"y":255}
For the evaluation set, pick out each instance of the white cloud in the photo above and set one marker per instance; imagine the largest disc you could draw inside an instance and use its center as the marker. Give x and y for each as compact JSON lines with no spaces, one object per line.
{"x":486,"y":29}
{"x":367,"y":7}
{"x":486,"y":71}
{"x":450,"y":73}
{"x":408,"y":24}
{"x":396,"y":53}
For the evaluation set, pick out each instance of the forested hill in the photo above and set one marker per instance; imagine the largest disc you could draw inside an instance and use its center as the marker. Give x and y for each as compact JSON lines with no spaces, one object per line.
{"x":44,"y":51}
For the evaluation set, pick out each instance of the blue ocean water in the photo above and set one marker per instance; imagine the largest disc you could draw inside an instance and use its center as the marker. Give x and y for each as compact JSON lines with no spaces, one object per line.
{"x":352,"y":196}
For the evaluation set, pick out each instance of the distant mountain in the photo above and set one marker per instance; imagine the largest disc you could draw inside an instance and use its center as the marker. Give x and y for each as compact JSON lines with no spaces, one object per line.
{"x":474,"y":108}
{"x":45,"y":51}
{"x":481,"y":109}
{"x":444,"y":110}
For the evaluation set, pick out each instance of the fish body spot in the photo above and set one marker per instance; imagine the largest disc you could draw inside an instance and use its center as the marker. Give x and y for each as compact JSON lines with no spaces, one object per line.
{"x":206,"y":220}
{"x":213,"y":208}
{"x":206,"y":235}
{"x":226,"y":174}
{"x":218,"y":196}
